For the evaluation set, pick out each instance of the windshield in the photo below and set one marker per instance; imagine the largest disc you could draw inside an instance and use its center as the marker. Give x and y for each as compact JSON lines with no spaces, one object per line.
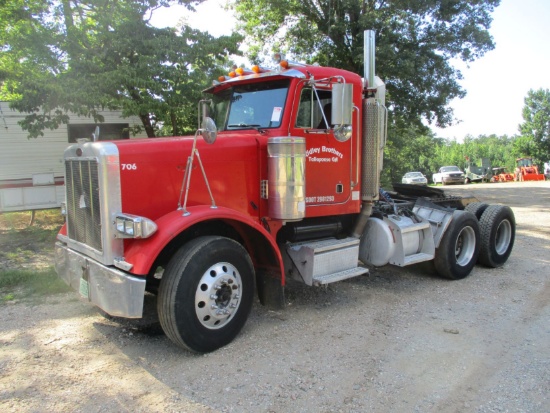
{"x":414,"y":175}
{"x":450,"y":169}
{"x":256,"y":105}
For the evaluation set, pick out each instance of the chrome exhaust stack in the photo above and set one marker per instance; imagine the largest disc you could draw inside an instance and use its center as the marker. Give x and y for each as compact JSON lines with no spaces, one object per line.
{"x":369,"y":58}
{"x":374,"y":133}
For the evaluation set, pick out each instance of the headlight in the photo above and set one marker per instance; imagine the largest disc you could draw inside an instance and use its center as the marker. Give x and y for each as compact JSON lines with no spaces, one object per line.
{"x":133,"y":226}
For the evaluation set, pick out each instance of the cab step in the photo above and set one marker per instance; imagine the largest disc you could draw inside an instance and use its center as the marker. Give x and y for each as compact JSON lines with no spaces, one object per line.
{"x":339,"y":276}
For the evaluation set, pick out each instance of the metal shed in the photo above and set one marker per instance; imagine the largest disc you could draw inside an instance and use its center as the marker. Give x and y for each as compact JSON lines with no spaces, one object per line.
{"x":32,"y":170}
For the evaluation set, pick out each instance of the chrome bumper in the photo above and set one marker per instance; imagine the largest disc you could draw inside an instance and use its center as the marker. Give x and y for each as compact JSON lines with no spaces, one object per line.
{"x":453,"y":179}
{"x":112,"y":290}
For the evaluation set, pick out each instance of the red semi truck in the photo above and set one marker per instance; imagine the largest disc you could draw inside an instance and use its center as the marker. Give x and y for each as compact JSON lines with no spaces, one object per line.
{"x":280,"y":181}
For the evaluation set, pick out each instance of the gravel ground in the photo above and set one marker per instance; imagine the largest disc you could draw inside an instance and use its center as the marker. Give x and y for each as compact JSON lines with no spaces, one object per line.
{"x":397,"y":340}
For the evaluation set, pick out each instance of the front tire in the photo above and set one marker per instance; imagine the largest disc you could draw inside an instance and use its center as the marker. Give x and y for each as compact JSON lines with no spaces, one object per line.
{"x":498,"y":232}
{"x":458,"y":250}
{"x":206,"y":293}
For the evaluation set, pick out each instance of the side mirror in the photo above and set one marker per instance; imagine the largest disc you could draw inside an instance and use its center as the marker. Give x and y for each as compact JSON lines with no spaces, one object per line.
{"x":205,"y":108}
{"x":342,"y":132}
{"x":209,"y":131}
{"x":342,"y":103}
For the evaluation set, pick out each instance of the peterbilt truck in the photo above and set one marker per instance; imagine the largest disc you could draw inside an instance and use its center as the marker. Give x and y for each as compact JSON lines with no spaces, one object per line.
{"x":280,"y":182}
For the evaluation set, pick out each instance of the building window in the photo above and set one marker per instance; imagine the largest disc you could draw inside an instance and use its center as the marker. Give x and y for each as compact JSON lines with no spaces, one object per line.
{"x":107,"y":131}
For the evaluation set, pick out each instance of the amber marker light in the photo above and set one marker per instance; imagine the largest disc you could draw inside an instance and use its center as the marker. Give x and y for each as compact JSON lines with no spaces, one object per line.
{"x":221,"y":79}
{"x":256,"y":69}
{"x":239,"y":71}
{"x":232,"y":74}
{"x":284,"y":64}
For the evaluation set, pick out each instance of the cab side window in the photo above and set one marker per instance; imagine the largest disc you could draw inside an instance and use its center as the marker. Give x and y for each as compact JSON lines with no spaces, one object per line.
{"x":310,"y":111}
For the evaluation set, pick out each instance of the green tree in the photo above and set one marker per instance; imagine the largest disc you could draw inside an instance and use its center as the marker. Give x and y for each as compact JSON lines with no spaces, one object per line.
{"x":416,"y":41}
{"x":501,"y":151}
{"x":535,"y":128}
{"x":408,"y":149}
{"x":81,"y":56}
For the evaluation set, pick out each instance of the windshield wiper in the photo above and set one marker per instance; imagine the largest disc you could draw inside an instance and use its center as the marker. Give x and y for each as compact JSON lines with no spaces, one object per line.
{"x":243,"y":125}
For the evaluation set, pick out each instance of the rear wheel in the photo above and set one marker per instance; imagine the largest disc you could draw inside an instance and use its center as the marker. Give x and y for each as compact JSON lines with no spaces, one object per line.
{"x":476,"y":208}
{"x":459,"y":248}
{"x":498,"y":232}
{"x":206,"y":294}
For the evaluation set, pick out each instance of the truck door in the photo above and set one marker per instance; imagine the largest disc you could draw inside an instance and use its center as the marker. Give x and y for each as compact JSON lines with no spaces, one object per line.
{"x":328,"y":162}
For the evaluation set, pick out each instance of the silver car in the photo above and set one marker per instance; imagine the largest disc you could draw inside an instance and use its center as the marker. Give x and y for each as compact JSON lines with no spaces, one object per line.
{"x":414,"y":178}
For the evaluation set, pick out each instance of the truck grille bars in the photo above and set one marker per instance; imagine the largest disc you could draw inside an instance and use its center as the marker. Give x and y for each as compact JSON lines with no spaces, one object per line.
{"x":83,"y":204}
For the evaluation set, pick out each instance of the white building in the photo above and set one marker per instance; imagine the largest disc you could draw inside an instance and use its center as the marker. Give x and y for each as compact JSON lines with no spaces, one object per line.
{"x":32,"y":170}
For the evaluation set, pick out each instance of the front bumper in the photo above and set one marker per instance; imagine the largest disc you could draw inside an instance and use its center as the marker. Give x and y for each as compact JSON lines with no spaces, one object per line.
{"x":453,"y":179}
{"x":110,"y":289}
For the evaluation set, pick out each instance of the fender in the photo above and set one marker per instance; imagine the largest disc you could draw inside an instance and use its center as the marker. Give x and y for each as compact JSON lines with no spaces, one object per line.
{"x":142,"y":253}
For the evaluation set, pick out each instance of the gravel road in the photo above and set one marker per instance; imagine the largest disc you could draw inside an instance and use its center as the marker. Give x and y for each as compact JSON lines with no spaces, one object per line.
{"x":397,"y":340}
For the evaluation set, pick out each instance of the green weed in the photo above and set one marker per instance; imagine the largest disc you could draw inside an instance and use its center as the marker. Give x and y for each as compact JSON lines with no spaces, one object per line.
{"x":25,"y":255}
{"x":25,"y":283}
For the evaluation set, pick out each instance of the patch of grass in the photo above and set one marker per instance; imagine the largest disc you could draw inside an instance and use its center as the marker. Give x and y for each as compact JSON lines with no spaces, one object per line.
{"x":44,"y":219}
{"x":26,"y":253}
{"x":15,"y":284}
{"x":19,"y":256}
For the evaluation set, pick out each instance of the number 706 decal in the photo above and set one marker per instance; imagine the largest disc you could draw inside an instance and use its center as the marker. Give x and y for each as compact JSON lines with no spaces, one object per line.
{"x":129,"y":166}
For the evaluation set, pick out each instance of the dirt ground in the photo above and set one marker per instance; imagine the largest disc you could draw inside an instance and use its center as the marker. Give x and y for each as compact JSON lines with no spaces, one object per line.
{"x":397,"y":340}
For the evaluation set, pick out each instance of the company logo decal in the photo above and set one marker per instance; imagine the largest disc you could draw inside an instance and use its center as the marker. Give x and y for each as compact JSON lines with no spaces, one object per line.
{"x":324,"y":153}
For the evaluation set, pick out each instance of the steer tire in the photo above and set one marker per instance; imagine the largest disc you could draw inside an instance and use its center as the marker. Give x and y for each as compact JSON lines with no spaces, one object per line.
{"x":206,"y":293}
{"x":458,"y":250}
{"x":477,"y":208}
{"x":498,"y":232}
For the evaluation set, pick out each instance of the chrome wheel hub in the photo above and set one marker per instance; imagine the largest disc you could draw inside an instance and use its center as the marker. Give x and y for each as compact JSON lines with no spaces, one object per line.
{"x":503,"y":237}
{"x":218,"y":295}
{"x":465,"y":246}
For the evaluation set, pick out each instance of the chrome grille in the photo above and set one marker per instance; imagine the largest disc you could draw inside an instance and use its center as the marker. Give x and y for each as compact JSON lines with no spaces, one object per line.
{"x":83,"y":203}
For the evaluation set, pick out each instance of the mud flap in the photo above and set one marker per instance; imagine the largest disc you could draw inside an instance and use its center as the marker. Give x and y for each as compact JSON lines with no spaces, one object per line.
{"x":270,"y":291}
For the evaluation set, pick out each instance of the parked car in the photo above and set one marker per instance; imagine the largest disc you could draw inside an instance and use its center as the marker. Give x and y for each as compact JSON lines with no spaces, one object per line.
{"x":449,"y":175}
{"x":414,"y":178}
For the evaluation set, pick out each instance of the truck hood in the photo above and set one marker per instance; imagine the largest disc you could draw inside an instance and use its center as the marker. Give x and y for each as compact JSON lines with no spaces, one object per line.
{"x":152,"y":172}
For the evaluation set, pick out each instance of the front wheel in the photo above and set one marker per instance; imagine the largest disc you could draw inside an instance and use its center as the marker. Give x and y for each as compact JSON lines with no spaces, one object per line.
{"x":458,"y":250}
{"x":206,"y":294}
{"x":498,"y":232}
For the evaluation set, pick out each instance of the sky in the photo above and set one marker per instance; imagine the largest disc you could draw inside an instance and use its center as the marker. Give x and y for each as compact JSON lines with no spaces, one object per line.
{"x":496,"y":84}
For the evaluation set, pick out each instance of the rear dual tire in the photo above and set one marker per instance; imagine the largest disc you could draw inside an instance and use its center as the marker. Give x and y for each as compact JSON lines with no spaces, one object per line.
{"x":477,"y":208}
{"x":459,"y":248}
{"x":498,"y":232}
